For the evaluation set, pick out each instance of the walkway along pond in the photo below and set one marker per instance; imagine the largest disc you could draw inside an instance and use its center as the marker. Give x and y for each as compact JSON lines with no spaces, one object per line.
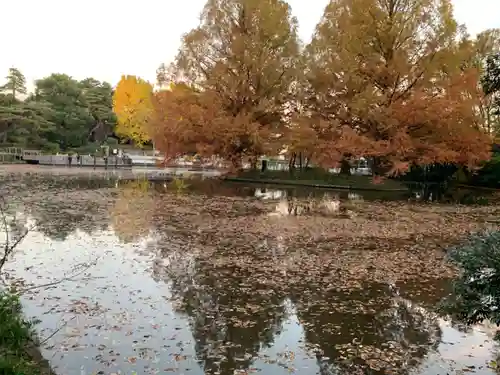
{"x":191,"y":281}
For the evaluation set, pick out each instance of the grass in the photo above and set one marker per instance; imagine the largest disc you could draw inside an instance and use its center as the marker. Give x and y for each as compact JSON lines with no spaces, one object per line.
{"x":316,"y":176}
{"x":18,"y":354}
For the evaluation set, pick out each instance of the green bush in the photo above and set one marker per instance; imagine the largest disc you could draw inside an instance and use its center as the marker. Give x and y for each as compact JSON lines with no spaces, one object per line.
{"x":476,"y":293}
{"x":15,"y":335}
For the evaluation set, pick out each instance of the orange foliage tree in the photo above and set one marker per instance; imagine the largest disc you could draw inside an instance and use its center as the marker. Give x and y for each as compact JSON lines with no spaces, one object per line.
{"x":240,"y":64}
{"x":191,"y":121}
{"x":387,"y":79}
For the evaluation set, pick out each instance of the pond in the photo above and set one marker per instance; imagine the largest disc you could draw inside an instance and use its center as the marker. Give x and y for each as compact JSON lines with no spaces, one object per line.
{"x":154,"y":279}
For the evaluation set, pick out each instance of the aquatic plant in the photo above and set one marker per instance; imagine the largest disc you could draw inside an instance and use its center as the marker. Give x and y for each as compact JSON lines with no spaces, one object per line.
{"x":179,"y":185}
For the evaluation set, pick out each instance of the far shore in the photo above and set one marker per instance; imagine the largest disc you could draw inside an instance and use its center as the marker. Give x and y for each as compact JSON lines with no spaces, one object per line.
{"x":7,"y":169}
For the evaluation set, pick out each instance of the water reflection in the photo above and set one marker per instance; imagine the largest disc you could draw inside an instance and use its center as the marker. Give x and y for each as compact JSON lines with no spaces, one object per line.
{"x":225,"y":319}
{"x":264,"y":193}
{"x":235,"y":314}
{"x":367,"y":331}
{"x":132,"y":210}
{"x":232,"y":316}
{"x":58,"y":220}
{"x":193,"y":284}
{"x":277,"y":193}
{"x":200,"y":184}
{"x":327,"y":205}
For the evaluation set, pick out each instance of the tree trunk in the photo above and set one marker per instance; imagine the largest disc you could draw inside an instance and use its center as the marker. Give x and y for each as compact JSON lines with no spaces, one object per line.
{"x":308,"y":159}
{"x":300,"y":161}
{"x":236,"y":162}
{"x":291,"y":163}
{"x":345,"y":167}
{"x":378,"y":167}
{"x":253,"y":163}
{"x":264,"y":166}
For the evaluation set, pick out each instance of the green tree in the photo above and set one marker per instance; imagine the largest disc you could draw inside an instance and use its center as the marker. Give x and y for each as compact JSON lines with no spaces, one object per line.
{"x":479,"y":53}
{"x":491,"y":87}
{"x":16,"y":83}
{"x":99,"y":100}
{"x":26,"y":123}
{"x":71,"y":116}
{"x":491,"y":77}
{"x":62,"y":113}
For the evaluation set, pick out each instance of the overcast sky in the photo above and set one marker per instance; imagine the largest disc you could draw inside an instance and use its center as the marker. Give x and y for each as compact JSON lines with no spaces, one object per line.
{"x":107,"y":38}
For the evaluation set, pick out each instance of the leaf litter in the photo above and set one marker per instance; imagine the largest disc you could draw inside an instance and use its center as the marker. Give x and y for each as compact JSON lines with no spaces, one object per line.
{"x":226,"y":271}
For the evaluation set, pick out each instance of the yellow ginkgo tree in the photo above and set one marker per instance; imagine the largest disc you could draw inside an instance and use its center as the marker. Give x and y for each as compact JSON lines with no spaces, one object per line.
{"x":132,"y":104}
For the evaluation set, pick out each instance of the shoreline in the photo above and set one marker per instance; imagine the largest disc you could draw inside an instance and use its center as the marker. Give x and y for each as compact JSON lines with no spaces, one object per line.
{"x":311,"y":184}
{"x":153,"y":173}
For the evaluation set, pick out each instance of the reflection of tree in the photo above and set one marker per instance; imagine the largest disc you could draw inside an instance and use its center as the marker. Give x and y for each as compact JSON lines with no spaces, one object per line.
{"x":57,"y":219}
{"x":132,"y":212}
{"x":60,"y":205}
{"x":221,"y":278}
{"x":234,"y":293}
{"x":365,"y":331}
{"x":233,"y":311}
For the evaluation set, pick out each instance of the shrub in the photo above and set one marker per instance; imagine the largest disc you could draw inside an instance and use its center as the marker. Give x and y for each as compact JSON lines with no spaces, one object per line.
{"x":15,"y":335}
{"x":476,"y":293}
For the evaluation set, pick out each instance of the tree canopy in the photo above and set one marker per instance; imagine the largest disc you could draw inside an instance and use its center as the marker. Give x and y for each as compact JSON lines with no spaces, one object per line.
{"x":388,"y":77}
{"x":132,"y":104}
{"x":240,"y":64}
{"x":16,"y":83}
{"x":61,"y":113}
{"x":396,"y":81}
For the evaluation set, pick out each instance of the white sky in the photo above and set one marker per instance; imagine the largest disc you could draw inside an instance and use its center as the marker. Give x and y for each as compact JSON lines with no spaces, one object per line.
{"x":107,"y":38}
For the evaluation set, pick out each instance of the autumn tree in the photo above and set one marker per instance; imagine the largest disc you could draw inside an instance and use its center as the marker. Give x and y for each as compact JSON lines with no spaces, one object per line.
{"x":388,"y":79}
{"x":241,"y":63}
{"x":196,"y":122}
{"x":132,"y":105}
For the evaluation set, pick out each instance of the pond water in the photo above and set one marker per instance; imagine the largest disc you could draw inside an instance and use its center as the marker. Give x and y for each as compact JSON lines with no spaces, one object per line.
{"x":164,"y":279}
